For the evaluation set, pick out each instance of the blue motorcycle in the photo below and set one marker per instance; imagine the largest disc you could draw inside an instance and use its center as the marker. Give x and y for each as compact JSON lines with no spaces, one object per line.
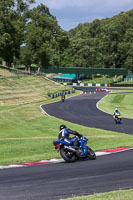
{"x":70,"y":153}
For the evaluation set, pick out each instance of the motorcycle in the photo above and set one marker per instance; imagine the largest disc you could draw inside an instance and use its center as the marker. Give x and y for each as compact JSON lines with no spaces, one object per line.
{"x":70,"y":153}
{"x":63,"y":98}
{"x":117,"y":119}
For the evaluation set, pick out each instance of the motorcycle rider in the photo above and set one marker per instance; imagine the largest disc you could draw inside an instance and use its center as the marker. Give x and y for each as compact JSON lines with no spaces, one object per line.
{"x":63,"y":97}
{"x":64,"y":134}
{"x":116,"y":113}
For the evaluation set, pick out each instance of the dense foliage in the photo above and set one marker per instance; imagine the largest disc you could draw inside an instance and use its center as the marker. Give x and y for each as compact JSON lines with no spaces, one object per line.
{"x":43,"y":38}
{"x":12,"y":22}
{"x":32,"y":35}
{"x":102,"y":43}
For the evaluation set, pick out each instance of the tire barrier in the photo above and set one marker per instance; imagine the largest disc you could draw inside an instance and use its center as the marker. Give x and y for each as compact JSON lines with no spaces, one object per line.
{"x":87,"y":84}
{"x":122,"y":85}
{"x":61,"y":93}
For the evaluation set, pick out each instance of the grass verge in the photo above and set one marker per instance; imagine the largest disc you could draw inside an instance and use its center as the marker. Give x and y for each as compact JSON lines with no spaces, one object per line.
{"x":115,"y":195}
{"x":117,"y":99}
{"x":26,"y":134}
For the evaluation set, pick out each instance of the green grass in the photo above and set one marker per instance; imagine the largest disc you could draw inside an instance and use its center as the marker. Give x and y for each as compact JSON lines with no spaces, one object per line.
{"x":115,"y":195}
{"x":31,"y":140}
{"x":101,"y":80}
{"x":126,"y":82}
{"x":122,"y":101}
{"x":26,"y":134}
{"x":23,"y":126}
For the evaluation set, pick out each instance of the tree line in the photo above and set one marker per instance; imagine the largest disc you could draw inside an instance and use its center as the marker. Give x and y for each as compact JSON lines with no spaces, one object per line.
{"x":106,"y":43}
{"x":33,"y":36}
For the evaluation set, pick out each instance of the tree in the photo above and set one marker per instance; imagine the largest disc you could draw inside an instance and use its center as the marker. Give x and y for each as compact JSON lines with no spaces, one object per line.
{"x":12,"y":23}
{"x":102,"y":43}
{"x":41,"y":35}
{"x":126,"y":50}
{"x":25,"y":58}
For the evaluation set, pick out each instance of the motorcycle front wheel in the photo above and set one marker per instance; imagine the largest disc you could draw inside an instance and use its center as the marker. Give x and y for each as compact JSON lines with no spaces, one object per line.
{"x":67,"y":155}
{"x":119,"y":121}
{"x":91,"y":154}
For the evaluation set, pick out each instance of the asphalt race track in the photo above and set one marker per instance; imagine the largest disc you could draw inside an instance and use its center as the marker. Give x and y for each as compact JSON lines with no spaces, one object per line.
{"x":55,"y":181}
{"x":82,"y":110}
{"x":62,"y":180}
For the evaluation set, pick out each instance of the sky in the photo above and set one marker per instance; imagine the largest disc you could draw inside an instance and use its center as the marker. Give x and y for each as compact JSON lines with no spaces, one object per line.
{"x":70,"y":13}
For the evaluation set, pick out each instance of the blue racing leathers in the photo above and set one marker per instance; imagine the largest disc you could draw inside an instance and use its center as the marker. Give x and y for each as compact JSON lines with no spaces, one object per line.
{"x":64,"y":134}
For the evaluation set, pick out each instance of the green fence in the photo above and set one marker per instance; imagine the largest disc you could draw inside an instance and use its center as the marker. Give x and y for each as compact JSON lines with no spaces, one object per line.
{"x":85,"y":71}
{"x":129,"y":78}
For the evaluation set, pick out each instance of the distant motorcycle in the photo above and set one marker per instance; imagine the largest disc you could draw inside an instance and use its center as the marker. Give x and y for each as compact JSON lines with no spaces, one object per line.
{"x":70,"y":153}
{"x":117,"y":119}
{"x":63,"y":98}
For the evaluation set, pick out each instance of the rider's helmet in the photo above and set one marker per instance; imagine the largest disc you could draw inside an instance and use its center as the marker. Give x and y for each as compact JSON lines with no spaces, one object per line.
{"x":62,"y":127}
{"x":116,"y":110}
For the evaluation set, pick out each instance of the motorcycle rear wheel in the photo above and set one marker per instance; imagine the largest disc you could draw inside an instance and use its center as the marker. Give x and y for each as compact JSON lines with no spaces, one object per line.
{"x":67,"y":155}
{"x":116,"y":121}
